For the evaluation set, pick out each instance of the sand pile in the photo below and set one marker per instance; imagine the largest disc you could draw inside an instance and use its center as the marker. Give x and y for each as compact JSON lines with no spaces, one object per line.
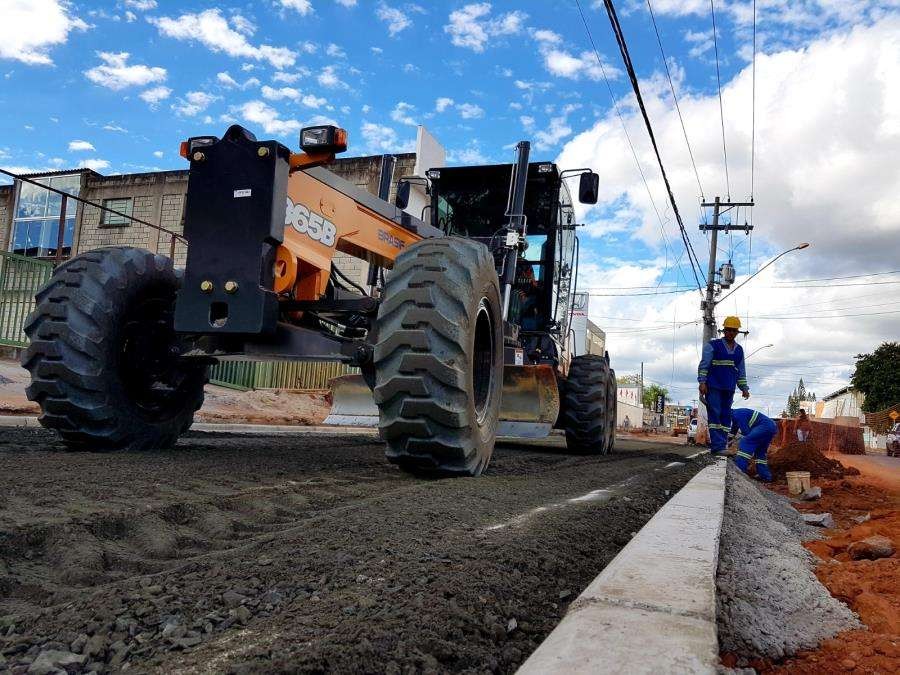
{"x":798,"y":456}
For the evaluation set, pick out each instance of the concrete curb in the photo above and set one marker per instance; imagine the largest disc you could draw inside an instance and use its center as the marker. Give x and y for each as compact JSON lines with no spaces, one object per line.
{"x":653,"y":609}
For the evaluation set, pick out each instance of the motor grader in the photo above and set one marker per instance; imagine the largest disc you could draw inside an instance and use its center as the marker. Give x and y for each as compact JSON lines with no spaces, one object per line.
{"x":462,"y":333}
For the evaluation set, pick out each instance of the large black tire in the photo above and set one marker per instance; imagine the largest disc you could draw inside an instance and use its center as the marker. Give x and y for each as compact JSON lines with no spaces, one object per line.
{"x":101,"y":359}
{"x":585,"y":412}
{"x":439,"y":358}
{"x":611,"y":410}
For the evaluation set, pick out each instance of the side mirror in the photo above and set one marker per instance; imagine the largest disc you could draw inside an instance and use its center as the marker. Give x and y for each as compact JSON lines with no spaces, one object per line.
{"x":401,"y":201}
{"x":589,"y":188}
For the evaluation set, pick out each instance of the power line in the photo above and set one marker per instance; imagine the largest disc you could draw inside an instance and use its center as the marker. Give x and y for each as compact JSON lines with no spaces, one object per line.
{"x":721,"y":107}
{"x":753,"y":111}
{"x":615,"y":103}
{"x":867,"y":283}
{"x":675,"y":97}
{"x":851,"y":276}
{"x":626,"y":58}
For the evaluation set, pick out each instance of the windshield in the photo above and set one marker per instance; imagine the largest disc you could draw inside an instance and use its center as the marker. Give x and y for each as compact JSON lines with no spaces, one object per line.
{"x":473,"y":203}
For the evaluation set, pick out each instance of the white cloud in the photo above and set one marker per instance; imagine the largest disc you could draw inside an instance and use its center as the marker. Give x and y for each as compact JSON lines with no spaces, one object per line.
{"x":243,"y":25}
{"x":94,"y":164}
{"x":378,"y":138}
{"x":115,"y":73}
{"x":303,"y":7}
{"x":141,"y":5}
{"x":194,"y":102}
{"x":473,"y":27}
{"x":30,"y":28}
{"x":827,"y":126}
{"x":335,"y":51}
{"x":346,"y":3}
{"x":311,"y":101}
{"x":212,"y":30}
{"x":154,"y":95}
{"x":327,"y":77}
{"x":115,"y":127}
{"x":78,"y":146}
{"x":442,"y":103}
{"x":130,"y":17}
{"x":258,"y":112}
{"x":402,"y":113}
{"x":469,"y":111}
{"x":562,"y":63}
{"x":376,"y":50}
{"x":471,"y":155}
{"x":282,"y":76}
{"x":308,"y":47}
{"x":226,"y":80}
{"x":396,"y":19}
{"x":158,"y":154}
{"x":278,"y":94}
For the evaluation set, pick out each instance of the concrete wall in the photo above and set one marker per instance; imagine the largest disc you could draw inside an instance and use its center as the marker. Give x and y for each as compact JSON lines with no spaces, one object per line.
{"x":156,"y":197}
{"x":6,"y":209}
{"x":635,"y":414}
{"x":846,"y":405}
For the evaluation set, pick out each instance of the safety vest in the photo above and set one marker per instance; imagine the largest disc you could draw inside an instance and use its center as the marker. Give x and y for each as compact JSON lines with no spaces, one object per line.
{"x":723,"y":371}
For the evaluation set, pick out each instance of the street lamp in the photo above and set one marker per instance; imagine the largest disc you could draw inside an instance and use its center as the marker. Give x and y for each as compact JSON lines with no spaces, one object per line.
{"x":798,"y":247}
{"x":756,"y":350}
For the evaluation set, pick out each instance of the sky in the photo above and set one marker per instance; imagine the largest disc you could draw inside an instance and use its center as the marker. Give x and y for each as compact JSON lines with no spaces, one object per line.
{"x":115,"y":86}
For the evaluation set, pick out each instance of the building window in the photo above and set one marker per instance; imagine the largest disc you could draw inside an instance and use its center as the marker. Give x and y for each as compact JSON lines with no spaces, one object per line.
{"x":36,"y":217}
{"x":123,"y":205}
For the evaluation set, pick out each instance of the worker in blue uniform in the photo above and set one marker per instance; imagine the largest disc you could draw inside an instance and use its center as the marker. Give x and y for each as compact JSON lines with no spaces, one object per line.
{"x":721,"y":369}
{"x":757,"y":431}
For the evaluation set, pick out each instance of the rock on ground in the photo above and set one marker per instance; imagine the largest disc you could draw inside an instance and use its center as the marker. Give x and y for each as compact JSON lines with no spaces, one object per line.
{"x":769,"y":602}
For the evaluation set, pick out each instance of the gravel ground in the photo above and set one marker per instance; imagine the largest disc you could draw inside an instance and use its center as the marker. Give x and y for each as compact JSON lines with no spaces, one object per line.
{"x":303,"y":553}
{"x":769,"y":602}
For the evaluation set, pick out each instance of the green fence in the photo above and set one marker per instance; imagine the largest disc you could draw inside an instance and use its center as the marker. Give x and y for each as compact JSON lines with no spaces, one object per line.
{"x":277,"y":374}
{"x":20,"y":279}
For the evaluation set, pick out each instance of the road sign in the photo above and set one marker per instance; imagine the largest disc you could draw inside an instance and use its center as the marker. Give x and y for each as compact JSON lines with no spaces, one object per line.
{"x":894,"y":415}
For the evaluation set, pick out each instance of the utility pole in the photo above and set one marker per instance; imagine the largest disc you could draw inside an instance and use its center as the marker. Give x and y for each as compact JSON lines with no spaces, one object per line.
{"x":709,"y":304}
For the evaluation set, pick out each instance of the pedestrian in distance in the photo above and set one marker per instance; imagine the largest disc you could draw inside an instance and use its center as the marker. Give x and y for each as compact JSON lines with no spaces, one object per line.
{"x":721,"y":370}
{"x":803,"y":426}
{"x":757,"y":432}
{"x":627,"y":423}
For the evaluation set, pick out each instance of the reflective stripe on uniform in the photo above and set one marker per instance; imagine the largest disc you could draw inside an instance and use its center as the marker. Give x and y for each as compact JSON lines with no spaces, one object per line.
{"x":752,"y":417}
{"x":745,"y":455}
{"x":723,"y":362}
{"x":762,"y":461}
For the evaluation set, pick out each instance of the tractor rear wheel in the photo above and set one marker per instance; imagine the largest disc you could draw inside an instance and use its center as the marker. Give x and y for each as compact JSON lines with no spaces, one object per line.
{"x":585,"y":416}
{"x":439,"y":358}
{"x":103,"y":368}
{"x":611,"y":411}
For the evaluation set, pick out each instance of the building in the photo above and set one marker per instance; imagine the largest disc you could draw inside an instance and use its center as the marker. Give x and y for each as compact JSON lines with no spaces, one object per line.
{"x":596,"y":339}
{"x":32,"y":222}
{"x":843,"y":406}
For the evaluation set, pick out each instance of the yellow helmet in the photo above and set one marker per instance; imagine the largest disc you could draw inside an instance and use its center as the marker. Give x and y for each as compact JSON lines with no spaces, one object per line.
{"x":732,"y":322}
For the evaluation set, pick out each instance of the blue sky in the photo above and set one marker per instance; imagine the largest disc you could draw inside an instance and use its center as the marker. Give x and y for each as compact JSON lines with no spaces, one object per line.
{"x":117,"y":85}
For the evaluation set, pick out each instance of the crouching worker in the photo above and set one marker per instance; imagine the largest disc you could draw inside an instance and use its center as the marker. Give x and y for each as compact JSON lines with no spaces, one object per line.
{"x":757,"y":431}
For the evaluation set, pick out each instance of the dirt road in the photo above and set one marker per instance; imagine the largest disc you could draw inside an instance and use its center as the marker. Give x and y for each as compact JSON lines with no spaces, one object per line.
{"x":305,"y":553}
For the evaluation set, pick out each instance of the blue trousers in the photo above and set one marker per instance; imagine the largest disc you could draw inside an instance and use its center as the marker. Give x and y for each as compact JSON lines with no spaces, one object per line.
{"x":755,"y":446}
{"x":718,"y":412}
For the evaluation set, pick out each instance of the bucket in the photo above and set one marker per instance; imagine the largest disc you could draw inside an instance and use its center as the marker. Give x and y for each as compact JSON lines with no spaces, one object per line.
{"x":798,"y":481}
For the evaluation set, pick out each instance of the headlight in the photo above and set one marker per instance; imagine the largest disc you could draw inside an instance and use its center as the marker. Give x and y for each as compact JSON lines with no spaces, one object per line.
{"x":323,"y":139}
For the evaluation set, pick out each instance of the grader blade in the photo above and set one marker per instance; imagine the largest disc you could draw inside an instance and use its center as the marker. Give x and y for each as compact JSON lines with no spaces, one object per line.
{"x":528,"y":409}
{"x":529,"y":405}
{"x":352,"y":404}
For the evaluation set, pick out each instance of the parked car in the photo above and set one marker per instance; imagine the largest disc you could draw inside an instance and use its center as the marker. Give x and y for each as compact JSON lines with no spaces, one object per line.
{"x":893,"y":441}
{"x":692,"y":431}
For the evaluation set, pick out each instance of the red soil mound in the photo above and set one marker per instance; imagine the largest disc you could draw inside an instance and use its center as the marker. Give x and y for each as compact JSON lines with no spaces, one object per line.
{"x":798,"y":456}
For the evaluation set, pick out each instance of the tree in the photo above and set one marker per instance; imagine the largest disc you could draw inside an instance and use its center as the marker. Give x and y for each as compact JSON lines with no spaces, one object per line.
{"x":793,"y":405}
{"x":877,"y":375}
{"x":800,"y":392}
{"x":650,"y":394}
{"x":628,"y":380}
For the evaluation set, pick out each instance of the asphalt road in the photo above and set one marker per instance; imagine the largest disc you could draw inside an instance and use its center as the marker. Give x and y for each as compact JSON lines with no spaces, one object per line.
{"x":306,"y":553}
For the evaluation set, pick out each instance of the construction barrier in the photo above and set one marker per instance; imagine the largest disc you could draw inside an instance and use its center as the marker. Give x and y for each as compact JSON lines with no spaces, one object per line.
{"x":20,"y":279}
{"x":824,"y":435}
{"x":245,"y":375}
{"x":880,"y":422}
